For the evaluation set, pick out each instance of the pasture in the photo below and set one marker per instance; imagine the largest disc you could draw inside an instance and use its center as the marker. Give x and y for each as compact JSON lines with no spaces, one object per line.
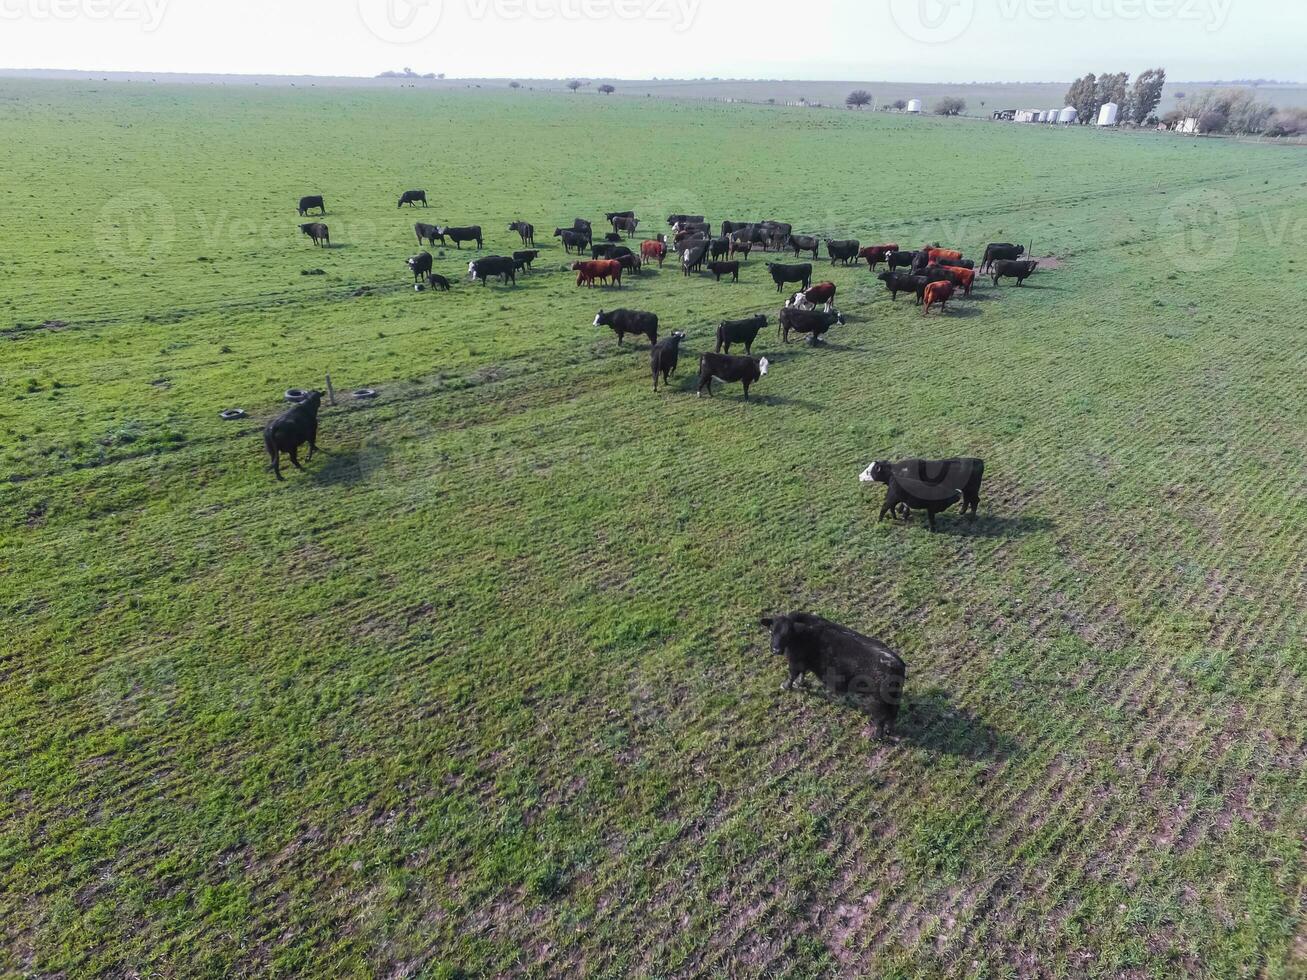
{"x":483,"y":692}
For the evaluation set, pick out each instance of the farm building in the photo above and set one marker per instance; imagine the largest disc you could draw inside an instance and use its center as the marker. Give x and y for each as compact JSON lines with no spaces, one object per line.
{"x":914,"y":105}
{"x":1004,"y":115}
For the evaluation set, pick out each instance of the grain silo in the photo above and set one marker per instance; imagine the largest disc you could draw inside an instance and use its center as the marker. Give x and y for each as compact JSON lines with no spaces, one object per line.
{"x":1107,"y":114}
{"x":914,"y":105}
{"x":1050,"y":116}
{"x":1067,"y":116}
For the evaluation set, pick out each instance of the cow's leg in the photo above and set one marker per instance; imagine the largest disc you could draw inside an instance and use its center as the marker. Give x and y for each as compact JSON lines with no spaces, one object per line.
{"x":930,"y":516}
{"x":276,"y":463}
{"x":746,"y":391}
{"x":294,"y":457}
{"x":313,"y":442}
{"x":795,"y":675}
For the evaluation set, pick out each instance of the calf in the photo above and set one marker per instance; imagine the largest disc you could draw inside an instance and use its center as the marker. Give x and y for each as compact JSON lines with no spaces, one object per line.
{"x":634,"y":322}
{"x":471,"y":233}
{"x":612,"y":237}
{"x":428,"y":234}
{"x":317,"y":231}
{"x":782,"y":274}
{"x":438,"y":282}
{"x":1012,"y":269}
{"x":740,"y":247}
{"x":995,"y":251}
{"x":524,"y":259}
{"x":411,"y":198}
{"x":940,"y":476}
{"x":812,"y":322}
{"x":419,"y":265}
{"x":664,"y":355}
{"x":842,"y":251}
{"x":719,"y":269}
{"x":739,"y":332}
{"x":728,"y":368}
{"x":493,"y":265}
{"x":310,"y":202}
{"x":900,"y":282}
{"x":805,"y":243}
{"x":848,"y":663}
{"x":525,"y":230}
{"x":290,"y":430}
{"x":937,"y":292}
{"x":653,"y":250}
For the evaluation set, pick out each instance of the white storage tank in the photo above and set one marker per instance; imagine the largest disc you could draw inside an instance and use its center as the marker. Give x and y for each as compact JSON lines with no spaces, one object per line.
{"x":1107,"y":114}
{"x":1050,"y":116}
{"x":1067,"y":115}
{"x":914,"y":105}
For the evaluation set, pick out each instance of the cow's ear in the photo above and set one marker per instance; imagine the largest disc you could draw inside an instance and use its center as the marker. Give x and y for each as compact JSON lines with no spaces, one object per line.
{"x":766,"y":622}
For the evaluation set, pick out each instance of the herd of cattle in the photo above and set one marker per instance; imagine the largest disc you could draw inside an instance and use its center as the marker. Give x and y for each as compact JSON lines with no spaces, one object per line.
{"x":846,"y":661}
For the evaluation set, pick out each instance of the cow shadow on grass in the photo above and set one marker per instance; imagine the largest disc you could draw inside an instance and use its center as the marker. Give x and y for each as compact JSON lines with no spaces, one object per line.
{"x":931,"y":721}
{"x":956,"y":312}
{"x":954,"y":525}
{"x":349,"y":467}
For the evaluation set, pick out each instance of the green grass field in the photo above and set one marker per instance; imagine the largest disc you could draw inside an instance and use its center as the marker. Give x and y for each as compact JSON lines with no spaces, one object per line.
{"x":482,"y":693}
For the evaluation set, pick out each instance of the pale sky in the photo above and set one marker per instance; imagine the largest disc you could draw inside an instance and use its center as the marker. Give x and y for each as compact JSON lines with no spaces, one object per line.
{"x":908,"y":40}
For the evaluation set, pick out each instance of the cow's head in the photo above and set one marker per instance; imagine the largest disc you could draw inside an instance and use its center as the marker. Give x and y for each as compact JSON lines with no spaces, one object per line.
{"x":442,"y":229}
{"x":781,"y":629}
{"x":1021,"y":250}
{"x":472,"y":269}
{"x":678,"y":335}
{"x":877,"y":472}
{"x":599,"y":318}
{"x":839,"y":317}
{"x":762,"y":367}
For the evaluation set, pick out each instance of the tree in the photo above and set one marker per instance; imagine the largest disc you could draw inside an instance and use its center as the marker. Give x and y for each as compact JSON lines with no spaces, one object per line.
{"x":1213,"y":121}
{"x":950,"y":106}
{"x":1147,"y":93}
{"x":1112,"y":87}
{"x":858,"y":99}
{"x":1083,"y":96}
{"x":607,"y":89}
{"x":514,"y":84}
{"x":900,"y":104}
{"x":574,"y":85}
{"x":1234,"y":110}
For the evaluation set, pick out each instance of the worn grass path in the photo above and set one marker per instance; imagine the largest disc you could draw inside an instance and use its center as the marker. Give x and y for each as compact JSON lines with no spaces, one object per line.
{"x":481,"y":692}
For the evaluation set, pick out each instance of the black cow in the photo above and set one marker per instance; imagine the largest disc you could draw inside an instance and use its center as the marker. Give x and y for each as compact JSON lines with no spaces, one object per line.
{"x":721,"y":248}
{"x":693,"y":256}
{"x":728,"y":368}
{"x":609,"y":216}
{"x":630,"y":262}
{"x":805,"y":243}
{"x":739,"y":332}
{"x":493,"y":265}
{"x":471,"y":233}
{"x":901,"y":258}
{"x":731,"y":227}
{"x":411,"y":198}
{"x":920,"y":259}
{"x":428,"y":234}
{"x":703,"y":228}
{"x":609,"y":251}
{"x":900,"y":282}
{"x":676,"y":219}
{"x":664,"y":355}
{"x":932,"y":485}
{"x":812,"y":322}
{"x":438,"y":282}
{"x":290,"y":430}
{"x":719,"y":269}
{"x":317,"y":231}
{"x":634,"y":322}
{"x":626,"y":224}
{"x":782,"y":274}
{"x":940,"y":273}
{"x":524,"y":259}
{"x":578,"y":240}
{"x":420,"y":265}
{"x":612,"y":236}
{"x":580,"y":224}
{"x":848,"y":663}
{"x":843,"y":251}
{"x":525,"y":230}
{"x":995,"y":251}
{"x":312,"y":201}
{"x":1013,"y":269}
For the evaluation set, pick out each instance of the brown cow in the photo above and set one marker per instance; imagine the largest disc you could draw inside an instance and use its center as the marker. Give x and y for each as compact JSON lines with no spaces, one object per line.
{"x":653,"y":250}
{"x":937,"y":292}
{"x":601,"y":269}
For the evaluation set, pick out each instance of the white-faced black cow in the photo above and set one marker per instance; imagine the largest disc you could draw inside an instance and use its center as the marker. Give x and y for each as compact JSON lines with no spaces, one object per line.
{"x":676,"y":219}
{"x":290,"y":430}
{"x":312,"y":201}
{"x":525,"y":230}
{"x":419,"y":265}
{"x":693,"y":255}
{"x":1018,"y":270}
{"x":932,"y":485}
{"x":664,"y":355}
{"x":739,"y":332}
{"x":814,"y":323}
{"x":428,"y":234}
{"x":493,"y":265}
{"x":728,"y":368}
{"x":471,"y":233}
{"x":635,"y":322}
{"x":782,"y":274}
{"x":900,"y":259}
{"x":317,"y":231}
{"x":847,"y":662}
{"x":412,"y":197}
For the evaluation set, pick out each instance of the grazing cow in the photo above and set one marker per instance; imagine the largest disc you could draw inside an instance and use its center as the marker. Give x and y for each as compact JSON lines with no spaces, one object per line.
{"x":493,"y":265}
{"x":812,"y":322}
{"x":524,"y":259}
{"x":578,"y":240}
{"x":719,"y":269}
{"x":525,"y":230}
{"x":843,"y":251}
{"x":721,"y":248}
{"x":317,"y":231}
{"x":937,"y":477}
{"x":438,"y":282}
{"x":676,"y":219}
{"x":290,"y":430}
{"x":634,"y":322}
{"x":664,"y":355}
{"x":420,"y":265}
{"x":428,"y":234}
{"x":901,"y":282}
{"x":739,"y":332}
{"x":728,"y":368}
{"x":876,"y":254}
{"x":628,"y":225}
{"x":995,"y":251}
{"x":739,"y":247}
{"x":600,"y":269}
{"x":653,"y":250}
{"x":937,"y":292}
{"x":966,"y":278}
{"x":848,"y":663}
{"x":312,"y":201}
{"x":782,"y":274}
{"x":471,"y":233}
{"x":692,"y":258}
{"x":900,"y":259}
{"x":1013,"y":269}
{"x":411,"y":198}
{"x":805,"y":243}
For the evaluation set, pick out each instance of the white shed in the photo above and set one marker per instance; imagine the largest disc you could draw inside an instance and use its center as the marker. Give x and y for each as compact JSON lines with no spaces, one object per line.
{"x":914,"y":105}
{"x":1107,"y":115}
